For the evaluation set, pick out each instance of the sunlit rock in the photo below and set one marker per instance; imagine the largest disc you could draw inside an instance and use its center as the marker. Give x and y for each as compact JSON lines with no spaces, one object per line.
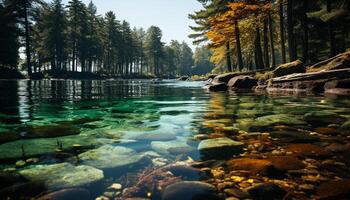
{"x":219,"y":147}
{"x":323,"y":118}
{"x":63,"y":175}
{"x":169,"y":146}
{"x":108,"y":156}
{"x":267,"y":122}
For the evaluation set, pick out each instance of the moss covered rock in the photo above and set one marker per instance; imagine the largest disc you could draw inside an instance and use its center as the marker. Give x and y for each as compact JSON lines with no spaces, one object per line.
{"x":289,"y":68}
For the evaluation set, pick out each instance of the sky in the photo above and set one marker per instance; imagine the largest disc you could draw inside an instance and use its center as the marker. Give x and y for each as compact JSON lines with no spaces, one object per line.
{"x":170,"y":15}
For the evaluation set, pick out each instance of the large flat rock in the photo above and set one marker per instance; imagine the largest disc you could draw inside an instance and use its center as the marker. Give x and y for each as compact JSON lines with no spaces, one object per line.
{"x":108,"y":157}
{"x":219,"y":147}
{"x":63,"y":175}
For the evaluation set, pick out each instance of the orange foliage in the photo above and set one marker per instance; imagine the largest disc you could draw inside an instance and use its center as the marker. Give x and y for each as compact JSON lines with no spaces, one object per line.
{"x":222,"y":26}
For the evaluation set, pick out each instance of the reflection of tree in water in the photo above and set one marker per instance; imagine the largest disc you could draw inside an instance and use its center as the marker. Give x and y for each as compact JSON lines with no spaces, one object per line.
{"x":9,"y":101}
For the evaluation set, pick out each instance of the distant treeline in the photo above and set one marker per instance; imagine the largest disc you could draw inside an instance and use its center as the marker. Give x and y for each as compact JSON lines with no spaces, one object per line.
{"x":74,"y":38}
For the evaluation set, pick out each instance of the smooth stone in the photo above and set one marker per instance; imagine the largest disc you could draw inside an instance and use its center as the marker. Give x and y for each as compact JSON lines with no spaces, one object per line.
{"x":267,"y":122}
{"x":169,"y":146}
{"x":63,"y":175}
{"x":50,"y":131}
{"x":322,"y":118}
{"x":222,"y":147}
{"x":345,"y":126}
{"x":67,"y":194}
{"x":20,"y":163}
{"x":307,"y":150}
{"x":267,"y":191}
{"x":274,"y":166}
{"x":157,"y":136}
{"x":242,"y":82}
{"x":38,"y":147}
{"x":190,"y":190}
{"x":337,"y":189}
{"x":293,"y":136}
{"x":224,"y":78}
{"x":187,"y":173}
{"x":289,"y":68}
{"x":108,"y":157}
{"x":115,"y":186}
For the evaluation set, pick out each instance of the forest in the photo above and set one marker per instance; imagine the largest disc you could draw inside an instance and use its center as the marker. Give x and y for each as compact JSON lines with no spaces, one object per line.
{"x":39,"y":37}
{"x":256,"y":35}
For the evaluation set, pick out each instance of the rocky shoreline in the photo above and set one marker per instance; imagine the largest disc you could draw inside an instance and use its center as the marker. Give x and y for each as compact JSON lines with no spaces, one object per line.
{"x":331,"y":76}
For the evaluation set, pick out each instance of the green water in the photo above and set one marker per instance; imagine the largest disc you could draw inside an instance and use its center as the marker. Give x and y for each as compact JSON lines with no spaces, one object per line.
{"x":56,"y":121}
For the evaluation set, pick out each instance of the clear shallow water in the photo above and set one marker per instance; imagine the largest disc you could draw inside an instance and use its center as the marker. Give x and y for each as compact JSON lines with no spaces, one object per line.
{"x":55,"y":121}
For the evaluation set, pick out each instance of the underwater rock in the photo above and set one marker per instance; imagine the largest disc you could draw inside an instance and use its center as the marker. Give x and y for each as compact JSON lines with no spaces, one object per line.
{"x":169,"y":146}
{"x":272,"y":167}
{"x":78,"y":121}
{"x":293,"y":136}
{"x":285,"y":163}
{"x":22,"y":190}
{"x":157,"y":136}
{"x":346,"y":126}
{"x":36,"y":147}
{"x":108,"y":157}
{"x":67,"y":194}
{"x":267,"y":191}
{"x":20,"y":163}
{"x":219,"y":147}
{"x":8,"y":137}
{"x":321,"y":118}
{"x":63,"y":175}
{"x":289,"y":68}
{"x":327,"y":131}
{"x":337,"y":189}
{"x":187,"y":173}
{"x":307,"y":150}
{"x":50,"y":131}
{"x":252,"y":165}
{"x":242,"y":82}
{"x":268,"y":121}
{"x":8,"y":179}
{"x":190,"y":190}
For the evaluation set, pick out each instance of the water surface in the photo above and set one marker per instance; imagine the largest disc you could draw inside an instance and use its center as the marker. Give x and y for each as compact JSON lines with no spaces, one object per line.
{"x":55,"y":121}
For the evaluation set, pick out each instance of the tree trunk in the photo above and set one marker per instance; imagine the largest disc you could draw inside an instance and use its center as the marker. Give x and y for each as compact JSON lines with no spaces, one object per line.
{"x":228,"y":57}
{"x":266,"y":45}
{"x":283,"y":40}
{"x":272,"y":45}
{"x":331,"y":32}
{"x":290,"y":27}
{"x":27,"y":36}
{"x":259,"y":62}
{"x":305,"y":26}
{"x":238,"y":47}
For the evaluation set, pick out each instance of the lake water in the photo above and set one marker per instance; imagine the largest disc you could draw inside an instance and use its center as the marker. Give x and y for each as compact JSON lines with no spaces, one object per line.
{"x":93,"y":134}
